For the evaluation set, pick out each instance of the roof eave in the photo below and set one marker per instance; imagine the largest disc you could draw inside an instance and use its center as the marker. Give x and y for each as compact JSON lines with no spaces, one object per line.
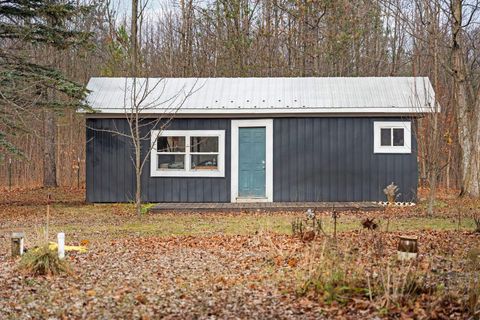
{"x":231,"y":113}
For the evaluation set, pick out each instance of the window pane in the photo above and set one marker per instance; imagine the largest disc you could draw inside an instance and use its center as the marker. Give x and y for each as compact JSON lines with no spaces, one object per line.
{"x":203,"y":144}
{"x":398,"y":137}
{"x":204,"y":162}
{"x":171,"y":144}
{"x":385,"y":137}
{"x":171,"y":161}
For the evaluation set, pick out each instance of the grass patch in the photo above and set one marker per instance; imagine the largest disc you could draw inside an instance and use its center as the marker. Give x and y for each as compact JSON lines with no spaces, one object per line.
{"x":195,"y":224}
{"x":146,"y":207}
{"x":171,"y":225}
{"x":437,"y":204}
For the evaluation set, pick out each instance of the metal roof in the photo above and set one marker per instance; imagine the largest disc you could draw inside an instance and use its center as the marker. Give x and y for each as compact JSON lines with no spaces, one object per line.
{"x":354,"y":95}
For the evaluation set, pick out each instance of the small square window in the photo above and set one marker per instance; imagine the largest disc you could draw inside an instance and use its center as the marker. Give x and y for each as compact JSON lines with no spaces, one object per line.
{"x":392,"y":137}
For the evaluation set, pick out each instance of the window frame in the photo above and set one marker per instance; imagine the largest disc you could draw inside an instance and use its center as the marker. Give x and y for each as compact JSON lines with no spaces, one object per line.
{"x":407,"y":136}
{"x":188,"y":171}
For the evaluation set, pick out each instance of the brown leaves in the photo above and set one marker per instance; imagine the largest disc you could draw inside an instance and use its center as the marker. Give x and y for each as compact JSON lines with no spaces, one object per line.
{"x":140,"y":298}
{"x":131,"y":271}
{"x":292,"y":262}
{"x":91,"y":293}
{"x":223,"y":275}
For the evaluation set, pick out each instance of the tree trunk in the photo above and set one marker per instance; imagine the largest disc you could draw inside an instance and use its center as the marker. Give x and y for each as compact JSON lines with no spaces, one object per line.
{"x":134,"y":37}
{"x":138,"y":158}
{"x":138,"y":181}
{"x":435,"y":136}
{"x":136,"y":111}
{"x":49,"y":158}
{"x":466,"y":117}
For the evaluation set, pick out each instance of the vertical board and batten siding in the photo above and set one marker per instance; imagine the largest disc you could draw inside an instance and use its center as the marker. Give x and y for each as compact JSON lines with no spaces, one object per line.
{"x":315,"y":159}
{"x":111,"y":175}
{"x":332,"y":159}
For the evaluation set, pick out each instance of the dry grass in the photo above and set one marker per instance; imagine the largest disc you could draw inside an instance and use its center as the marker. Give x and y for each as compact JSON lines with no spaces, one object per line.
{"x":42,"y":261}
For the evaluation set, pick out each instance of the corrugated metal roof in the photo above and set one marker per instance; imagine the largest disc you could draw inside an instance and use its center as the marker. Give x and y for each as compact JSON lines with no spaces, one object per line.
{"x":263,"y":95}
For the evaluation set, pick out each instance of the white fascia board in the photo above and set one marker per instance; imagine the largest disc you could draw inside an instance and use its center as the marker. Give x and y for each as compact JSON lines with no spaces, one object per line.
{"x":273,"y":111}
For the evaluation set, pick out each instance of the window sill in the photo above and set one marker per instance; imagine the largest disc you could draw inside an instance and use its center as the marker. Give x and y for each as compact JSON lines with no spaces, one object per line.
{"x":392,"y":150}
{"x":186,"y":174}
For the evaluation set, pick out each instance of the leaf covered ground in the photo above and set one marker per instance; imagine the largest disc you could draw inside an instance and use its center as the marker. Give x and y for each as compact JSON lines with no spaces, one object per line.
{"x":236,"y":265}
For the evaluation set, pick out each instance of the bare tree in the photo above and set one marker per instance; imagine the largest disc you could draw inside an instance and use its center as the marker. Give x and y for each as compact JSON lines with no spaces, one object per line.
{"x":140,"y":99}
{"x":146,"y":107}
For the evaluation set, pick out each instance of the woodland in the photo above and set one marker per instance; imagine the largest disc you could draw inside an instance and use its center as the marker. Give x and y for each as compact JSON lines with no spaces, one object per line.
{"x":50,"y":49}
{"x":126,"y":261}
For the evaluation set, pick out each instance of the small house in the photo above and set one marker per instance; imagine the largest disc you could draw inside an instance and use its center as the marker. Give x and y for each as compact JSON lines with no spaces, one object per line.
{"x":255,"y":139}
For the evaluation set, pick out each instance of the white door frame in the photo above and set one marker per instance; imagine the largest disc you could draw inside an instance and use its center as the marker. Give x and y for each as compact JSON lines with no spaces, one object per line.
{"x":236,"y":125}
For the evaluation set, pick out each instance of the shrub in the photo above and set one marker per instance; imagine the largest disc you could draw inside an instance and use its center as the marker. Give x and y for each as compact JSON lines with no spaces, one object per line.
{"x":43,"y":261}
{"x":391,"y":191}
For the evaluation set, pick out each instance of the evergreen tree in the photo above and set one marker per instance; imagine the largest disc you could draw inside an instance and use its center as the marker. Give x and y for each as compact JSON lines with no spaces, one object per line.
{"x":28,"y":87}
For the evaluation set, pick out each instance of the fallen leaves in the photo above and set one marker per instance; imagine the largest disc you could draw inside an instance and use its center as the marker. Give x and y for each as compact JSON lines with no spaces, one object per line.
{"x":221,"y":275}
{"x":91,"y":293}
{"x":140,"y":298}
{"x":212,"y":274}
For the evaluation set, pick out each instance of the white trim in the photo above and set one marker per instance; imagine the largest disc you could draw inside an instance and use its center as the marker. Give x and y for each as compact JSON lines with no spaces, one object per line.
{"x":275,"y":110}
{"x":188,"y":172}
{"x":236,"y":125}
{"x":115,"y":115}
{"x":407,"y":138}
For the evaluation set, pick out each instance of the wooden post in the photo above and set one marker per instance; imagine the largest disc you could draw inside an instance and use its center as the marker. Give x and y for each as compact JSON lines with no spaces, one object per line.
{"x":61,"y":245}
{"x":17,"y":243}
{"x":49,"y":198}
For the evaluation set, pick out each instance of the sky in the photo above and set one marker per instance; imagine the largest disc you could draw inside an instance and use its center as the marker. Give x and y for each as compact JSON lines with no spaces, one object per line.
{"x":154,"y":7}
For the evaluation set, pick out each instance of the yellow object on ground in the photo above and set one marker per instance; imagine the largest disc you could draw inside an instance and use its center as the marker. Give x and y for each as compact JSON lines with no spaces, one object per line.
{"x":79,"y":249}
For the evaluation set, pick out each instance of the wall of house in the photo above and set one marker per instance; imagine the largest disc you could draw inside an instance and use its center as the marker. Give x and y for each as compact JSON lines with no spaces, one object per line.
{"x":332,"y":159}
{"x":111,"y":175}
{"x":315,"y":159}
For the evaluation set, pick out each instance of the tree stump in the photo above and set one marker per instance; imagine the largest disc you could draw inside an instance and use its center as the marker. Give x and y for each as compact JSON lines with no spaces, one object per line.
{"x":407,"y":248}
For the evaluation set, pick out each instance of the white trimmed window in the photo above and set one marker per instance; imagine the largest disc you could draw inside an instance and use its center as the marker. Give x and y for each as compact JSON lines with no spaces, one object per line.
{"x":187,"y":153}
{"x":392,"y":137}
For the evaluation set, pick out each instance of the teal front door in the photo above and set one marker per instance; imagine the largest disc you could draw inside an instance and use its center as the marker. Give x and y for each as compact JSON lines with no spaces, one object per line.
{"x":251,"y":162}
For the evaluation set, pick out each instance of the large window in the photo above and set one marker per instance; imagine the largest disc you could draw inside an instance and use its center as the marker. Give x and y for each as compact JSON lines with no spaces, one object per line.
{"x":392,"y":137}
{"x":188,"y":153}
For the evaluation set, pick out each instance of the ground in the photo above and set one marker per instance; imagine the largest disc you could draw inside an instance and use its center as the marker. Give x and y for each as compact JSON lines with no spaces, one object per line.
{"x":238,"y":265}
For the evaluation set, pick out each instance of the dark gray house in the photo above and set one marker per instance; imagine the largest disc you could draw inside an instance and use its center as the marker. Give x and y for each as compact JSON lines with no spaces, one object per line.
{"x":256,"y":139}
